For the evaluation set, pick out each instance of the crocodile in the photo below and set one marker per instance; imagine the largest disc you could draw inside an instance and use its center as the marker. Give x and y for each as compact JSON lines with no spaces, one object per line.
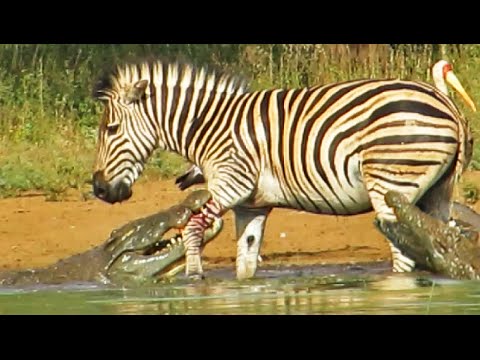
{"x":451,"y":250}
{"x":134,"y":254}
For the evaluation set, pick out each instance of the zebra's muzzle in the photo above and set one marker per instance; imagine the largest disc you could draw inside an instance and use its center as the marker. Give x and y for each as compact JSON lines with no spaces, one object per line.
{"x":110,"y":193}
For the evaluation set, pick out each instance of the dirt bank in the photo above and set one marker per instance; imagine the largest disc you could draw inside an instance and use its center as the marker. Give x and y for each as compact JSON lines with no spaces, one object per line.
{"x":35,"y":232}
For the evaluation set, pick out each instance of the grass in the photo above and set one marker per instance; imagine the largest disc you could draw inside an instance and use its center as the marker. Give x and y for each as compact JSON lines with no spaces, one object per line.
{"x":36,"y":159}
{"x":64,"y":165}
{"x":48,"y":119}
{"x":470,"y":192}
{"x":60,"y":161}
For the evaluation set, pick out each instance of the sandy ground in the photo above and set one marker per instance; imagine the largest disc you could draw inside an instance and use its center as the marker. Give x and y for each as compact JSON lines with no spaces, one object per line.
{"x":35,"y":232}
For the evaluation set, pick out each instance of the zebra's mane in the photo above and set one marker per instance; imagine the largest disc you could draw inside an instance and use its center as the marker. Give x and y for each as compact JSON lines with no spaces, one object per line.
{"x":161,"y":72}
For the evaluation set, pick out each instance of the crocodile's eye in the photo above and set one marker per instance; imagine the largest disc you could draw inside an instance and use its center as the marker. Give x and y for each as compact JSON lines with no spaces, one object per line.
{"x":112,"y":129}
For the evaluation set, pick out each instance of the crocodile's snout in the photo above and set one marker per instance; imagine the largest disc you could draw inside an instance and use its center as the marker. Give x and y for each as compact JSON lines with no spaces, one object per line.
{"x":135,"y":253}
{"x":439,"y":247}
{"x":395,"y":199}
{"x":141,"y":252}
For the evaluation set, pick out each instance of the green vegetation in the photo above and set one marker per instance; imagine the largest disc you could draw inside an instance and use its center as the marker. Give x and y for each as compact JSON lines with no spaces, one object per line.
{"x":48,"y":119}
{"x":470,"y":192}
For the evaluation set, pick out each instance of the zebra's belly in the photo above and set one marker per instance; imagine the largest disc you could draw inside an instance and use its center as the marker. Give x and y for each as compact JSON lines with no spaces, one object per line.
{"x":341,"y":201}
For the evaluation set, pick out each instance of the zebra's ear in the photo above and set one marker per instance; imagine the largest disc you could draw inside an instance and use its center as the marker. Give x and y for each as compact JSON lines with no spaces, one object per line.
{"x":136,"y":92}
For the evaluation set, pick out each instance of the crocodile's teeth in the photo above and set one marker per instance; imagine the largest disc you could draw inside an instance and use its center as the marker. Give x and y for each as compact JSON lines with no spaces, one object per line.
{"x":452,"y":223}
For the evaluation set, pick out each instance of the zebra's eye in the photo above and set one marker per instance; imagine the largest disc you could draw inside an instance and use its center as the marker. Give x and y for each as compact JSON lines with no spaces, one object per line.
{"x":112,"y":129}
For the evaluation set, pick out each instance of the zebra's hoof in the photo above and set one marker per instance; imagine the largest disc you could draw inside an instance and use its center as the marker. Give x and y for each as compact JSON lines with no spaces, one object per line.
{"x":196,"y":277}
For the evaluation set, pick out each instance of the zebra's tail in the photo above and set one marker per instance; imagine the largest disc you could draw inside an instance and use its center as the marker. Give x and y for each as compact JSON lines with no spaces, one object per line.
{"x":465,"y":148}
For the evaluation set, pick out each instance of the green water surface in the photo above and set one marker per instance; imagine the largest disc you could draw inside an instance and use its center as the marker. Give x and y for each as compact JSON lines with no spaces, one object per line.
{"x":277,"y":291}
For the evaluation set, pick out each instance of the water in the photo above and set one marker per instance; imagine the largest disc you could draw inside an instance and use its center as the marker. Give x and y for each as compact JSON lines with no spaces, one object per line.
{"x":369,"y":289}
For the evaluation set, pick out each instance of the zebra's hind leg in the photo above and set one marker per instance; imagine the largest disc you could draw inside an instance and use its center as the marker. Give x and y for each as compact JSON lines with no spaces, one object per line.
{"x":386,"y":222}
{"x":250,"y":227}
{"x":396,"y":232}
{"x":424,"y":184}
{"x":437,"y":201}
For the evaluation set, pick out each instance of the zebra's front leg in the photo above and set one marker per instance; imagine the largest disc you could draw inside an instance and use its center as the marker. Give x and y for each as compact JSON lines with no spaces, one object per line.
{"x":193,"y":233}
{"x":250,"y":228}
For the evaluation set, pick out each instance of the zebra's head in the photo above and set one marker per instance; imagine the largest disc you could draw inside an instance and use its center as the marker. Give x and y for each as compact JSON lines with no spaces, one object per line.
{"x":150,"y":105}
{"x":125,"y":139}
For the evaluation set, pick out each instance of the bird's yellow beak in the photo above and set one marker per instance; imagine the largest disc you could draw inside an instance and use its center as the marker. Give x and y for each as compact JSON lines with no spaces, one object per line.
{"x":452,"y":80}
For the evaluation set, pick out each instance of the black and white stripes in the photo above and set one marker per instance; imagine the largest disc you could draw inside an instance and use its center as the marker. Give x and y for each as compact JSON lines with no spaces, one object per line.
{"x":333,"y":149}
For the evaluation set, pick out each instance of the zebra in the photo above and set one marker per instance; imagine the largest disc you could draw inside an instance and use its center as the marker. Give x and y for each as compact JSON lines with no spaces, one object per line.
{"x":440,"y":70}
{"x":192,"y":176}
{"x":329,"y":149}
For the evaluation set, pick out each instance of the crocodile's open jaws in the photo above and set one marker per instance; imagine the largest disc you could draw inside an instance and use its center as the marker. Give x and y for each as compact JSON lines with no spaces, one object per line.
{"x":136,"y":253}
{"x":159,"y":260}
